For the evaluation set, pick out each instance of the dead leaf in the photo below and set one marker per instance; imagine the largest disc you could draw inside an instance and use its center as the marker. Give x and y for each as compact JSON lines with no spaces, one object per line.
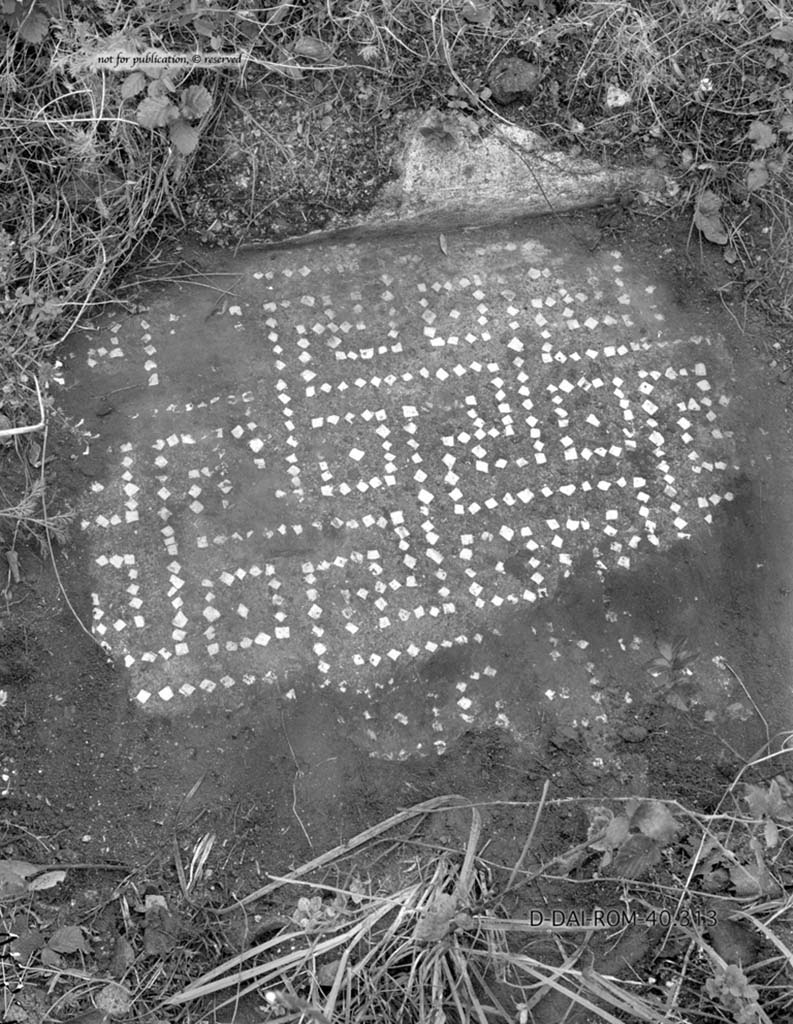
{"x":476,"y":12}
{"x":69,"y":939}
{"x":123,"y":957}
{"x":769,"y":801}
{"x":708,"y":219}
{"x":13,"y":565}
{"x":715,"y":879}
{"x":761,"y":135}
{"x":434,"y":923}
{"x":34,"y":454}
{"x":14,"y":1014}
{"x":757,"y":175}
{"x":654,"y":820}
{"x":89,"y":1017}
{"x":616,"y":98}
{"x":442,"y":244}
{"x":277,"y":14}
{"x":599,"y":820}
{"x":615,"y":834}
{"x":752,"y":880}
{"x":11,"y":883}
{"x":635,"y":856}
{"x":115,"y":1000}
{"x":51,"y":959}
{"x":14,"y":871}
{"x":161,"y":927}
{"x":326,"y":974}
{"x":46,"y":880}
{"x":312,"y":48}
{"x":27,"y":942}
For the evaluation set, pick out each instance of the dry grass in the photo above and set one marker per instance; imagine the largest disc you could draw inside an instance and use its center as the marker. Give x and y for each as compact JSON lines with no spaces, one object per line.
{"x":668,"y":916}
{"x":440,"y":940}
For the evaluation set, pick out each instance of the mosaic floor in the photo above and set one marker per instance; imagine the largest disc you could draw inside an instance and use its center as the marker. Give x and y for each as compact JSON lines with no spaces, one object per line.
{"x":360,"y":461}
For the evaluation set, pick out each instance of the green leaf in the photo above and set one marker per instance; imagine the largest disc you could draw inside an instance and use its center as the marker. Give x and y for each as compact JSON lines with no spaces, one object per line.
{"x":184,"y":136}
{"x":133,"y":84}
{"x":783,"y":32}
{"x":761,"y":135}
{"x":312,"y":48}
{"x":33,"y":26}
{"x":196,"y":101}
{"x":757,"y":176}
{"x":654,"y":820}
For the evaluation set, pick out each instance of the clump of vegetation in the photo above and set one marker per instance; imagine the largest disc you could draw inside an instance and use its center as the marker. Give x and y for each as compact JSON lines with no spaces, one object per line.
{"x":96,"y":152}
{"x":655,"y":913}
{"x":709,"y":97}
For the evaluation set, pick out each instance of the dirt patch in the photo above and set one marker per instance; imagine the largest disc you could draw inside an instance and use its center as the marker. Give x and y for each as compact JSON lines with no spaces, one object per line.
{"x":64,"y":696}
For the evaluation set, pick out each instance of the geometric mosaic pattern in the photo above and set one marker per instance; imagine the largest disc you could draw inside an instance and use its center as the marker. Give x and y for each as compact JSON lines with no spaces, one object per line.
{"x":408,"y":454}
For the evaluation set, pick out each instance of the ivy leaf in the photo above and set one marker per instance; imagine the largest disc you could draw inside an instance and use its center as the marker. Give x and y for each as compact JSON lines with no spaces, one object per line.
{"x":784,"y":33}
{"x":786,"y":125}
{"x":761,"y":135}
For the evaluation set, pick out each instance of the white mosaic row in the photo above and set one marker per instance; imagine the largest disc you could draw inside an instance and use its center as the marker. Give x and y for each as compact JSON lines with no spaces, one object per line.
{"x":330,"y":601}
